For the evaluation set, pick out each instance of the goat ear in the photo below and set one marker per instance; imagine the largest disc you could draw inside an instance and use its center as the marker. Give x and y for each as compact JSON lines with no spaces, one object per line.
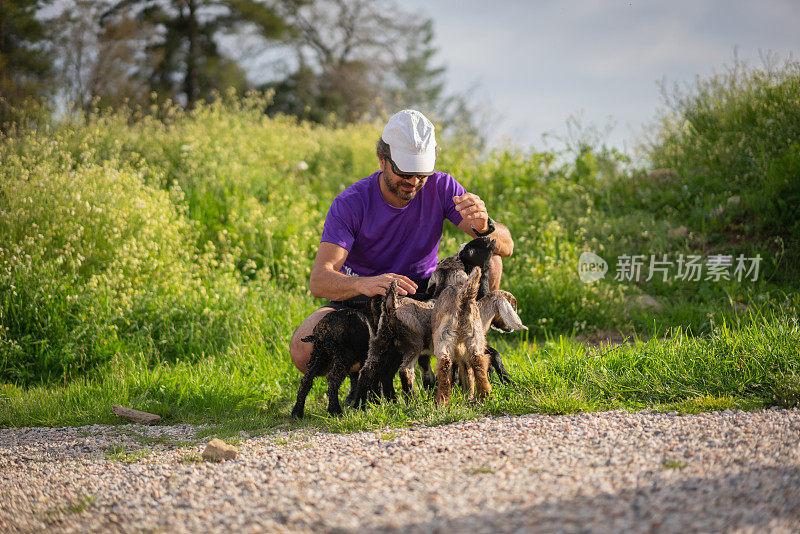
{"x":390,"y":302}
{"x":507,"y":319}
{"x":433,"y":282}
{"x":511,"y":299}
{"x":375,"y":305}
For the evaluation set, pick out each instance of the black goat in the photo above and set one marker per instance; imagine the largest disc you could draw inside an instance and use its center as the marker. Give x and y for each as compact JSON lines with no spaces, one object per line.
{"x":384,"y":356}
{"x":341,"y":341}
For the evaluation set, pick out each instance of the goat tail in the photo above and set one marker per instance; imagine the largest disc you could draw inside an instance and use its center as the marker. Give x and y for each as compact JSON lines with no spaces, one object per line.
{"x":467,"y":295}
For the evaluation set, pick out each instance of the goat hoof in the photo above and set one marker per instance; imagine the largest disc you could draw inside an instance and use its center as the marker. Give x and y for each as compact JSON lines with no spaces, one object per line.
{"x":506,"y":379}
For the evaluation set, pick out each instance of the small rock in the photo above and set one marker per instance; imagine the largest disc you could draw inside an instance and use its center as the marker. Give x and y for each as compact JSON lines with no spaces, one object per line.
{"x":646,"y":301}
{"x":677,"y":233}
{"x":217,"y":451}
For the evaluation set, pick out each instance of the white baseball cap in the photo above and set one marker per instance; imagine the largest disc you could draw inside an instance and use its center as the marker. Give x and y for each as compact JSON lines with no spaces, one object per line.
{"x":412,"y":142}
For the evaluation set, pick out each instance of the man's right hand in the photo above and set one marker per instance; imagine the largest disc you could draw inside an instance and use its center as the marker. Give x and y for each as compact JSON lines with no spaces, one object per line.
{"x":379,"y":285}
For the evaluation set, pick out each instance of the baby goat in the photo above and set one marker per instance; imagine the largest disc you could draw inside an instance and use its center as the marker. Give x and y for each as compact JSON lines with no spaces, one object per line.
{"x":402,"y":334}
{"x":341,"y":340}
{"x":476,"y":253}
{"x":459,"y":327}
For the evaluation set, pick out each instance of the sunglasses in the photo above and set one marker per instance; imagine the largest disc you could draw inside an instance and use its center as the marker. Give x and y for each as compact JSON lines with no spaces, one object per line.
{"x":402,"y":174}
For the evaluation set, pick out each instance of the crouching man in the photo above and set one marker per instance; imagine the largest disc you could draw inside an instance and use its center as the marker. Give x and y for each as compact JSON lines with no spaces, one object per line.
{"x":388,"y":226}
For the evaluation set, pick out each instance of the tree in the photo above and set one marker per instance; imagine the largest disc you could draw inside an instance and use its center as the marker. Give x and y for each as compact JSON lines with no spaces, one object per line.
{"x":358,"y":59}
{"x":418,"y":84}
{"x":24,"y":64}
{"x":97,"y":64}
{"x":184,"y":61}
{"x":355,"y":58}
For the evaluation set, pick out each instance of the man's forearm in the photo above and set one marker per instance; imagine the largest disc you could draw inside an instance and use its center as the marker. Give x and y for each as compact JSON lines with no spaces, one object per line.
{"x":334,"y":285}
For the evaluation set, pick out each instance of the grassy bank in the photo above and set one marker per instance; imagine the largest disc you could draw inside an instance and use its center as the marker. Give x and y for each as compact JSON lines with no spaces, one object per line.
{"x":161,"y":261}
{"x":755,"y":363}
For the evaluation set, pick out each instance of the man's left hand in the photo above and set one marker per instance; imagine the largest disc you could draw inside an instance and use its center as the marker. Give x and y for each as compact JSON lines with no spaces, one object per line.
{"x":472,"y":208}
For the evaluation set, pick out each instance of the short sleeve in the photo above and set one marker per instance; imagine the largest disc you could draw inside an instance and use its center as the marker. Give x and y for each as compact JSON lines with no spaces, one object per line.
{"x":342,"y":222}
{"x":449,"y":188}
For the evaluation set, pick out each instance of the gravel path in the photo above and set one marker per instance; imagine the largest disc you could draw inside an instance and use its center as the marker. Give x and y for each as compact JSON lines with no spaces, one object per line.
{"x":612,"y":471}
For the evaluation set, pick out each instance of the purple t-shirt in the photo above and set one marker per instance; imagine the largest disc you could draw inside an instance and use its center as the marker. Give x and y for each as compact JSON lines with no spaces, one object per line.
{"x":383,"y":239}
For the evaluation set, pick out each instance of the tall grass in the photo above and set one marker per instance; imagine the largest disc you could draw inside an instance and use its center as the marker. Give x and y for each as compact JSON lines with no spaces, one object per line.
{"x":734,"y":139}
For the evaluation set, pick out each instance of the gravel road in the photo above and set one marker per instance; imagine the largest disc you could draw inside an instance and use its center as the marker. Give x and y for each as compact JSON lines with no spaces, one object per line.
{"x":598,"y":472}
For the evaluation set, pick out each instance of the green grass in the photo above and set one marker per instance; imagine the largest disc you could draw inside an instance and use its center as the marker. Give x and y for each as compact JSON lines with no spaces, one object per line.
{"x":192,"y":458}
{"x":675,"y":464}
{"x":163,"y":264}
{"x":482,"y":470}
{"x":753,"y":365}
{"x":120,"y":453}
{"x":79,"y":505}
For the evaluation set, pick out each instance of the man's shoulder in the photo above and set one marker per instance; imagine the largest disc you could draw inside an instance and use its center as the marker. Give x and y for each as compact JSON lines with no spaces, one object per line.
{"x":446,"y":185}
{"x":356,"y":194}
{"x":443,"y":179}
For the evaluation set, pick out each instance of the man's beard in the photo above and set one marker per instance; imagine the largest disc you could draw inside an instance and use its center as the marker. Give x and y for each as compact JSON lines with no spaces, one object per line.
{"x":402,"y":193}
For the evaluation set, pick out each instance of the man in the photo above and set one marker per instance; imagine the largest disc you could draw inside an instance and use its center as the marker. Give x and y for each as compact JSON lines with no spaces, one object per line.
{"x":388,"y":225}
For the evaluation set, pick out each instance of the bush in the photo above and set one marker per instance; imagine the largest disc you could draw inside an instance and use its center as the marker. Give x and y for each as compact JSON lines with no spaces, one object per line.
{"x":123,"y":233}
{"x":734,"y":139}
{"x":93,"y":262}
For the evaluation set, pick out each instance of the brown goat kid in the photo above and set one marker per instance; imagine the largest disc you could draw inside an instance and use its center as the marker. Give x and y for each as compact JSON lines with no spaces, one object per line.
{"x":454,"y":269}
{"x":459,"y":325}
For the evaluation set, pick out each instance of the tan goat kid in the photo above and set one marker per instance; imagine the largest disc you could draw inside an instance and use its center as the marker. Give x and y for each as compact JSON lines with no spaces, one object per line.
{"x":459,"y":326}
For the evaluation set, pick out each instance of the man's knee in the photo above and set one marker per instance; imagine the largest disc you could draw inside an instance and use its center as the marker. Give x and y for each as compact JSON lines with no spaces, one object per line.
{"x":495,"y":272}
{"x":299,"y":350}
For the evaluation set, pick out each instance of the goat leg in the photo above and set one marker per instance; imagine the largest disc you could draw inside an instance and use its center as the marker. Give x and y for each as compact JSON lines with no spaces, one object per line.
{"x":335,"y":378}
{"x":443,"y":383}
{"x":317,"y":365}
{"x":479,"y":366}
{"x":407,"y":376}
{"x":305,"y":386}
{"x":428,"y":378}
{"x":455,"y":376}
{"x":467,"y":375}
{"x":387,"y":386}
{"x":351,"y":397}
{"x":366,"y":386}
{"x":496,"y":364}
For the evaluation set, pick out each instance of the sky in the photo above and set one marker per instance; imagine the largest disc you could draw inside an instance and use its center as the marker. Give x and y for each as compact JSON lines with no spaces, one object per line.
{"x":531,"y":65}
